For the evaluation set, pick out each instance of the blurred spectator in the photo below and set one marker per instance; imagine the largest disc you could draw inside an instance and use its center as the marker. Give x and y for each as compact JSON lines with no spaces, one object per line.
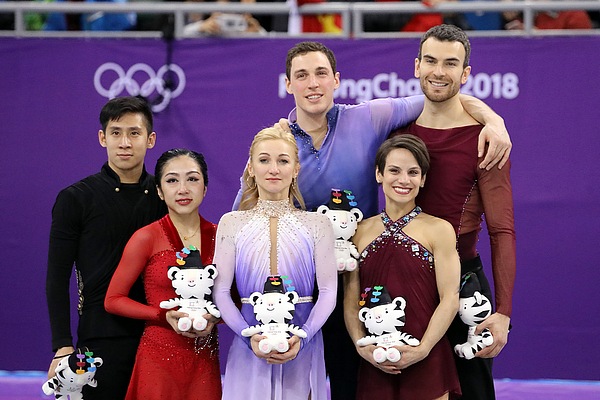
{"x":595,"y":17}
{"x":324,"y":23}
{"x":551,"y":20}
{"x":221,"y":24}
{"x":275,"y":22}
{"x":419,"y":22}
{"x":152,"y":22}
{"x":7,"y":20}
{"x":385,"y":22}
{"x":98,"y":21}
{"x":422,"y":22}
{"x":482,"y":21}
{"x":33,"y":21}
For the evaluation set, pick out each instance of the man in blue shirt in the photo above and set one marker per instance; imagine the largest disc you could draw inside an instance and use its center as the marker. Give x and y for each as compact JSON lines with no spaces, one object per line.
{"x":337,"y":144}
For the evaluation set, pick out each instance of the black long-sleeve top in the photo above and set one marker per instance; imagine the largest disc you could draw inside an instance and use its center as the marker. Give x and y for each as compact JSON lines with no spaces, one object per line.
{"x":92,"y":220}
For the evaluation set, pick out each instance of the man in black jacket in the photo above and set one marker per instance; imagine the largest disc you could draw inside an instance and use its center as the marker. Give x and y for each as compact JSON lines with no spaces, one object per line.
{"x":92,"y":220}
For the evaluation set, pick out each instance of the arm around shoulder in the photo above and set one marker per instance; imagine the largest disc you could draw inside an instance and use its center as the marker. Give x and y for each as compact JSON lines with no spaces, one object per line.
{"x":494,"y":133}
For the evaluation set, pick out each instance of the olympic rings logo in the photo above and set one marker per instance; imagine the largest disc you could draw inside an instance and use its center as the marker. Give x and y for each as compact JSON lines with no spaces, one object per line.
{"x":154,"y":82}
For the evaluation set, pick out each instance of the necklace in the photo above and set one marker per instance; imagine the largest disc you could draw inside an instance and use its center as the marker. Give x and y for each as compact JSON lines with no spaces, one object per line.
{"x":192,"y":235}
{"x":317,"y":140}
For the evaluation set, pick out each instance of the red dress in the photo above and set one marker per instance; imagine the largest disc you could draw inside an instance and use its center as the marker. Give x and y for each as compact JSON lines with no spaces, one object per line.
{"x":167,"y":365}
{"x":406,"y":269}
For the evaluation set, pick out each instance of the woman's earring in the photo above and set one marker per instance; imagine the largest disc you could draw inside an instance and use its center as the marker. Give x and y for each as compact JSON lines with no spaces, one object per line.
{"x":251,"y":182}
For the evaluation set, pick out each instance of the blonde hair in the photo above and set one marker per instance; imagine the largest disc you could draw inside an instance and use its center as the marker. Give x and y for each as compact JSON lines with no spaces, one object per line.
{"x":250,"y":193}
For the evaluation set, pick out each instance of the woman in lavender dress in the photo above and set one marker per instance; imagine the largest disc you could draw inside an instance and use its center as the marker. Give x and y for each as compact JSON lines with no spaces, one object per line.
{"x":270,"y":236}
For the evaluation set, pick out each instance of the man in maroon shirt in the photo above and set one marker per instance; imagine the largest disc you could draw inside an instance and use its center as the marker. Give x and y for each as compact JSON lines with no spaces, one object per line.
{"x":460,"y":192}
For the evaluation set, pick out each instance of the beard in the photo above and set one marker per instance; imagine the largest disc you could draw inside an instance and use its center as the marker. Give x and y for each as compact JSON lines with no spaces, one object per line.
{"x":439,"y":95}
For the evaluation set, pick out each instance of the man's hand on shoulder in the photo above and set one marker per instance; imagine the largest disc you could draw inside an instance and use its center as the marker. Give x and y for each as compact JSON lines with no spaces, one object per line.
{"x":283,"y":125}
{"x":499,"y":145}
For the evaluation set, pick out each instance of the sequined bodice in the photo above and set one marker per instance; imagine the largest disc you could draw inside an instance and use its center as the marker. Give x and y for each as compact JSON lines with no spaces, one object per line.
{"x":394,"y":226}
{"x":394,"y":232}
{"x":270,"y":208}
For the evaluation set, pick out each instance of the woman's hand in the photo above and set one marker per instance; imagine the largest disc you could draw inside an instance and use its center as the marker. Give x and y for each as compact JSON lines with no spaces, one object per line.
{"x":410,"y":355}
{"x":282,"y":358}
{"x":275,"y":357}
{"x":173,"y":318}
{"x":211,"y":322}
{"x":366,"y":352}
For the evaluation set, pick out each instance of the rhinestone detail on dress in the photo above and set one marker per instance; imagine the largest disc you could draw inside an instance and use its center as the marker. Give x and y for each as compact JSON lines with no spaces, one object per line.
{"x":273,"y":209}
{"x":394,"y":229}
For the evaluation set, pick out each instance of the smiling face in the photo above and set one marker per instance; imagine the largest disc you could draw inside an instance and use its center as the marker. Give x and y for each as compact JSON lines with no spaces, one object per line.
{"x":126,"y":141}
{"x":312,"y":82}
{"x":440,"y":69}
{"x":192,"y":282}
{"x":273,"y":307}
{"x":401,"y":178}
{"x":182,"y":185}
{"x":385,"y":318}
{"x":273,"y":165}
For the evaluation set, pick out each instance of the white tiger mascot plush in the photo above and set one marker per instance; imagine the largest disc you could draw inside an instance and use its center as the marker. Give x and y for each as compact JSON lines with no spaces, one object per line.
{"x":274,"y":309}
{"x":384,"y":319}
{"x":72,"y":373}
{"x":344,"y":216}
{"x":193,"y":283}
{"x":473,"y":309}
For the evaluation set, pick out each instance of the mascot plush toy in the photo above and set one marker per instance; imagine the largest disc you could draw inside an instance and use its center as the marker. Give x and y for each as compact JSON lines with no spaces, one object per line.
{"x":274,"y":309}
{"x":193,"y":283}
{"x":473,"y":309}
{"x":384,"y":319}
{"x":72,"y":373}
{"x":344,"y":216}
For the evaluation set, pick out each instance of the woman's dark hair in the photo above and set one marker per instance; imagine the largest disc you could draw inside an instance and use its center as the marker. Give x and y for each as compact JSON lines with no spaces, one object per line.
{"x":409,"y":142}
{"x":174,"y":153}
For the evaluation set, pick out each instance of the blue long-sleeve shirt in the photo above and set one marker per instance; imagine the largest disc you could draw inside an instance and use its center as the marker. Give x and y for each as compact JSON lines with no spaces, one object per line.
{"x":346,"y":159}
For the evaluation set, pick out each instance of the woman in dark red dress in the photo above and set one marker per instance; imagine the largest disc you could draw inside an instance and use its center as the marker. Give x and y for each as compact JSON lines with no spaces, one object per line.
{"x":414,"y":256}
{"x":170,"y":364}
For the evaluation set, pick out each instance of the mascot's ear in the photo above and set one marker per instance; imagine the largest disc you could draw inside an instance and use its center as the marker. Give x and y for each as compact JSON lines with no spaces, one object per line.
{"x":322,"y":209}
{"x":292,"y":297}
{"x":358,"y":214}
{"x":172,"y":272}
{"x":254,"y":297}
{"x":362,"y":314}
{"x":399,"y":303}
{"x":478,"y":297}
{"x":62,"y":365}
{"x":212,"y":270}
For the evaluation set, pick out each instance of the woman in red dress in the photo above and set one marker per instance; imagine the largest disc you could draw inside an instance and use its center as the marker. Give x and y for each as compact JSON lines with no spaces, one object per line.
{"x":170,"y":364}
